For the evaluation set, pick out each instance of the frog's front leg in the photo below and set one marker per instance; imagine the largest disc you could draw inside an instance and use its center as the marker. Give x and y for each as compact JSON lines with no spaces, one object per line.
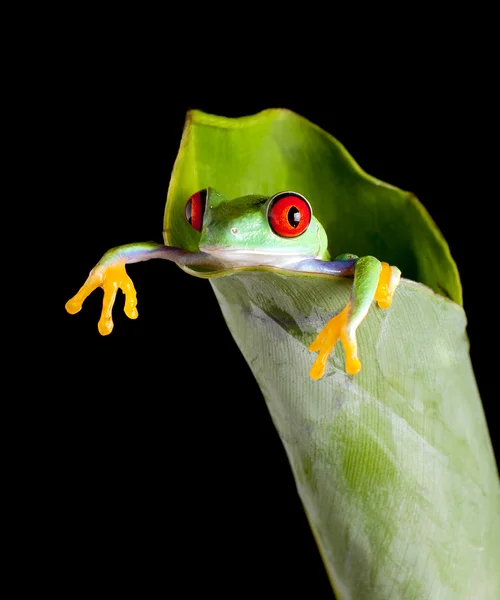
{"x":372,"y":280}
{"x":110,"y":274}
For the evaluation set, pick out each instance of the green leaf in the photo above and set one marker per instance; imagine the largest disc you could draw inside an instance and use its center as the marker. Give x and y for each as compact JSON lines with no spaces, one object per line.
{"x":394,"y":466}
{"x":277,"y":150}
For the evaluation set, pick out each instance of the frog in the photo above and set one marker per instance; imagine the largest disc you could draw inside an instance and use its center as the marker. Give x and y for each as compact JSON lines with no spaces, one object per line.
{"x":277,"y":231}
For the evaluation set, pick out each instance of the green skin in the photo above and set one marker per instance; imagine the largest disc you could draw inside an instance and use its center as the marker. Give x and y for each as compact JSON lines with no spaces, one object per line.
{"x":237,"y":233}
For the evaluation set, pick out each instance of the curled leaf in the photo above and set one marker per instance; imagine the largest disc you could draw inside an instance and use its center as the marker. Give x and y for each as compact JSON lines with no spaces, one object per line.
{"x":394,"y":466}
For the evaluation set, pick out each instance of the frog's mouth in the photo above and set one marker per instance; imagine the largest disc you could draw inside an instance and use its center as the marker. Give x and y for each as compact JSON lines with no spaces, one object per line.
{"x":237,"y":257}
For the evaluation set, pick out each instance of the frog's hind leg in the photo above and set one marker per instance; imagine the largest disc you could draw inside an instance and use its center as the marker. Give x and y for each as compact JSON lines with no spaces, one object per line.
{"x":372,"y":279}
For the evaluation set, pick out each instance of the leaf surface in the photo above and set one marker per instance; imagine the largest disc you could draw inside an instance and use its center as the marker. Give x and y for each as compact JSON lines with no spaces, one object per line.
{"x":394,"y":466}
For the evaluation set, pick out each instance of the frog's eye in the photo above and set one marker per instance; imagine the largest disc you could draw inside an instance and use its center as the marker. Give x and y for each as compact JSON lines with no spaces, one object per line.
{"x":289,"y":214}
{"x":195,"y":208}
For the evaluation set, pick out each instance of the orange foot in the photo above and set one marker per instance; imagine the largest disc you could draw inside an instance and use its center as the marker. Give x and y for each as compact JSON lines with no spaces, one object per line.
{"x":325,"y":343}
{"x":338,"y":326}
{"x":110,"y":278}
{"x":387,"y":283}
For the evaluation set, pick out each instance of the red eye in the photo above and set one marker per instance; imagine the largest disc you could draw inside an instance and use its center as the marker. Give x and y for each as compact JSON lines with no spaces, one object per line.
{"x":289,"y":214}
{"x":195,"y":208}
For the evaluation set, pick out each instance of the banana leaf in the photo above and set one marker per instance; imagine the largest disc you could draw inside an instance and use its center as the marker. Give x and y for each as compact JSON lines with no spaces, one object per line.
{"x":394,"y":466}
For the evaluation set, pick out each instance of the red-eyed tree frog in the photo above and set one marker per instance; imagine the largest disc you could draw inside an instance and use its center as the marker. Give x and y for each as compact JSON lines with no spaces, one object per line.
{"x":251,"y":231}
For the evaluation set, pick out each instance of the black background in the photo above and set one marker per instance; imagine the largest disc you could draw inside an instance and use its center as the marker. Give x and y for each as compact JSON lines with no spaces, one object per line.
{"x":164,"y":468}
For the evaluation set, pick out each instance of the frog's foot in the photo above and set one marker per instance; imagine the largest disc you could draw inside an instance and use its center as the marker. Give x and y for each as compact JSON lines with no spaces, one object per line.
{"x":387,"y":284}
{"x":328,"y":337}
{"x":110,"y":277}
{"x":373,"y":280}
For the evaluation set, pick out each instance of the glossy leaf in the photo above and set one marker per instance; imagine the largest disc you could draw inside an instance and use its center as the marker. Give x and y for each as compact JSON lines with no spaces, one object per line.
{"x":394,"y":466}
{"x":277,"y":150}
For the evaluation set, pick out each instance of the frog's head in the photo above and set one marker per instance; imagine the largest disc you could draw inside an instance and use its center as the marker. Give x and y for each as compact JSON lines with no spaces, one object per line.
{"x":251,"y":230}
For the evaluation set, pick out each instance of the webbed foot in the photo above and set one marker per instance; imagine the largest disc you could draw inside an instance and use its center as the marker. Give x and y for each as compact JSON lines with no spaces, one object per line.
{"x":387,"y":284}
{"x":110,"y":277}
{"x":373,"y":280}
{"x":325,"y":343}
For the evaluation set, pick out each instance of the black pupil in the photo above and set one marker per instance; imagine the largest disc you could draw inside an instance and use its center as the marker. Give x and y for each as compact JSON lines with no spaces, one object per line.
{"x":294,"y":216}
